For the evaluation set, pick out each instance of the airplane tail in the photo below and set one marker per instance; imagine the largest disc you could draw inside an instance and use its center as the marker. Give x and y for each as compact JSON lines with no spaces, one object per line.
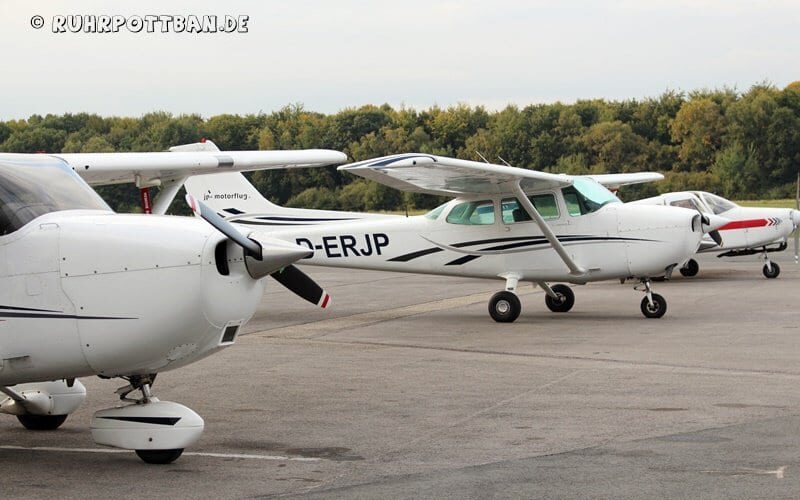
{"x":231,"y":195}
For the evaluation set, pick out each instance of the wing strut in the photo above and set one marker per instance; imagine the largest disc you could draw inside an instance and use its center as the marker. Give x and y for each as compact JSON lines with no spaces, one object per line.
{"x":167,"y":194}
{"x":574,"y":269}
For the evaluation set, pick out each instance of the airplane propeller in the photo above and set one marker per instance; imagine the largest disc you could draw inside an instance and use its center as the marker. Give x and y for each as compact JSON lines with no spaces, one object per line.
{"x":710,"y":224}
{"x":267,"y":256}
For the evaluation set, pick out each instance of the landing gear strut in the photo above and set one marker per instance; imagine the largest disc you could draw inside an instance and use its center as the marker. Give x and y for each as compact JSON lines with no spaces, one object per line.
{"x":653,"y":305}
{"x":157,"y":430}
{"x":771,"y":269}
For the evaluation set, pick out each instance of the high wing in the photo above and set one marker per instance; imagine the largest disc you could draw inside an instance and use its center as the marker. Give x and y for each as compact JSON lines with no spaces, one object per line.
{"x":431,"y":174}
{"x":615,"y":181}
{"x":164,"y":168}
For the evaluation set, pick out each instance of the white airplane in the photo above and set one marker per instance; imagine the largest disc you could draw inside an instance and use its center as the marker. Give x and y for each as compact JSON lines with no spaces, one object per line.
{"x":505,"y":222}
{"x":85,"y":291}
{"x":751,"y":230}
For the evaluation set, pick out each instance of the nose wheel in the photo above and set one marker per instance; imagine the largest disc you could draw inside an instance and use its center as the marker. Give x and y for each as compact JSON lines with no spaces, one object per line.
{"x":690,"y":269}
{"x":653,"y":305}
{"x":559,"y":298}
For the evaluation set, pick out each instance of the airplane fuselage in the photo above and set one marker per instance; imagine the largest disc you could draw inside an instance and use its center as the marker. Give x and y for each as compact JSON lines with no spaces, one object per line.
{"x":613,"y":242}
{"x":95,"y":293}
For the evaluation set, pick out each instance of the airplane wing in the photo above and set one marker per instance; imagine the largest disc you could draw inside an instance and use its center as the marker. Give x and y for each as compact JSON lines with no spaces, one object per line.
{"x":615,"y":181}
{"x":164,"y":168}
{"x":431,"y":174}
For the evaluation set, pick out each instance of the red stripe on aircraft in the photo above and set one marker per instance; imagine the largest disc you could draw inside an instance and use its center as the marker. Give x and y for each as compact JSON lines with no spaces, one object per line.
{"x":744,"y":224}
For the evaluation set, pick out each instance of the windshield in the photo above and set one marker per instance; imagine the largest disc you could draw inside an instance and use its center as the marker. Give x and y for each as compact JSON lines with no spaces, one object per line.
{"x":32,"y":185}
{"x":717,"y":204}
{"x":436,"y":212}
{"x":586,"y":195}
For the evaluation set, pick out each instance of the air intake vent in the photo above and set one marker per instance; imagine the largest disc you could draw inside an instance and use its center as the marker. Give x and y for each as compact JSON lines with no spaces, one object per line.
{"x":221,"y":257}
{"x":229,"y":334}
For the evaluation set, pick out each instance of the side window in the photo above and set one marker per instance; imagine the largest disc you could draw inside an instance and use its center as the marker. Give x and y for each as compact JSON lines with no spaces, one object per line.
{"x":573,"y":202}
{"x":513,"y":212}
{"x":472,"y":213}
{"x":687,"y":203}
{"x":545,"y":204}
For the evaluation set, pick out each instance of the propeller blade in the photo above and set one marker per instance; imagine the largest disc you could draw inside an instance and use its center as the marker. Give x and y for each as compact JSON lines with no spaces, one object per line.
{"x":716,"y":237}
{"x":262,"y":255}
{"x":203,"y":211}
{"x":301,"y":284}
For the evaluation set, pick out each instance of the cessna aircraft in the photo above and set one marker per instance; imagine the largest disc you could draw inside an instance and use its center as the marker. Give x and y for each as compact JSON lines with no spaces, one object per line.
{"x":85,"y":291}
{"x":505,"y":222}
{"x":751,"y":231}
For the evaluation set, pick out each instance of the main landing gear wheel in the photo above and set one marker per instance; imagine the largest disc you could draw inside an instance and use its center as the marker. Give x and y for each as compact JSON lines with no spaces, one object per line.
{"x":159,"y":457}
{"x":565,"y":300}
{"x":773,"y":272}
{"x":656,"y":309}
{"x":690,"y":269}
{"x":42,"y":422}
{"x":504,"y":307}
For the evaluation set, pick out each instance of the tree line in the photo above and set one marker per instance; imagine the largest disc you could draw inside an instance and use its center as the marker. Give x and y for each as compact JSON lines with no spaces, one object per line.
{"x":742,"y":145}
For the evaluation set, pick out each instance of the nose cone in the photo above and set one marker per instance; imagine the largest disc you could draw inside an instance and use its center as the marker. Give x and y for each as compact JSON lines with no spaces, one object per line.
{"x":796,"y":217}
{"x":275,"y":254}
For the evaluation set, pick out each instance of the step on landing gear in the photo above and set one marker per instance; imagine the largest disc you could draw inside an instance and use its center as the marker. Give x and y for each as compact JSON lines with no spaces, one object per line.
{"x":157,"y":430}
{"x":653,"y":305}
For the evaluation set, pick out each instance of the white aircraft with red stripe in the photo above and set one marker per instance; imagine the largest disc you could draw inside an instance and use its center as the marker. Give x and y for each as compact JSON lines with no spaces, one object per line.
{"x":751,"y":230}
{"x":504,"y":222}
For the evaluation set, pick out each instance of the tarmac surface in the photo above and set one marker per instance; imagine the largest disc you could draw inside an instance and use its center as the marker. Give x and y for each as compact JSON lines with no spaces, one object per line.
{"x":407,"y":389}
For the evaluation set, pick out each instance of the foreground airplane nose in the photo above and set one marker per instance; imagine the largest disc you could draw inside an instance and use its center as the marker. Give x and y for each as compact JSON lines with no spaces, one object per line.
{"x":275,"y":254}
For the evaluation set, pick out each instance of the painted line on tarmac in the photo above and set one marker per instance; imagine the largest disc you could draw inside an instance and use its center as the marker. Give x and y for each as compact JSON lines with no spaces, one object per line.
{"x":326,"y":326}
{"x":188,"y":453}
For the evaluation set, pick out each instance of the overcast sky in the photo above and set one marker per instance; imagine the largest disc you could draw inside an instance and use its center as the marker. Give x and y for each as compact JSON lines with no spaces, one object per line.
{"x":330,"y":55}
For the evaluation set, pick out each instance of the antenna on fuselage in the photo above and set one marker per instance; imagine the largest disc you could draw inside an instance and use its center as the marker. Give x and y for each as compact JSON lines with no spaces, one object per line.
{"x":504,"y":162}
{"x":482,"y":157}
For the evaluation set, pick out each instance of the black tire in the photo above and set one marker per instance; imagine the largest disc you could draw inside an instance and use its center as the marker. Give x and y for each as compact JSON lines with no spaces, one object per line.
{"x":658,"y":309}
{"x":776,"y":270}
{"x":565,"y":301}
{"x":41,"y":422}
{"x":159,"y":457}
{"x":690,"y":269}
{"x":504,"y":307}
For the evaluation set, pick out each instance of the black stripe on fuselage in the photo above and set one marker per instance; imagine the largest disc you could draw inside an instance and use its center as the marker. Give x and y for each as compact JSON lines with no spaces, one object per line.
{"x":518,"y":242}
{"x":14,"y":308}
{"x":51,"y":316}
{"x":147,"y":420}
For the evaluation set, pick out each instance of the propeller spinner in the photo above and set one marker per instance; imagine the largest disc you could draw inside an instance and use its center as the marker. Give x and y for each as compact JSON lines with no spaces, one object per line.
{"x":267,"y":256}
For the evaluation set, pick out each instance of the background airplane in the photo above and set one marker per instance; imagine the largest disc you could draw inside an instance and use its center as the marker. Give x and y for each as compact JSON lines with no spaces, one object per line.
{"x":505,"y":222}
{"x":85,"y":291}
{"x":751,"y":230}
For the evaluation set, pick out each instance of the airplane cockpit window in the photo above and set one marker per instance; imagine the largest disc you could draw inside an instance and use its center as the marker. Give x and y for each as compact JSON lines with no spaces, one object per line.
{"x":436,"y":212}
{"x":476,"y":213}
{"x":545,"y":204}
{"x":585,"y":196}
{"x":33,"y":187}
{"x":687,"y":203}
{"x":717,"y":204}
